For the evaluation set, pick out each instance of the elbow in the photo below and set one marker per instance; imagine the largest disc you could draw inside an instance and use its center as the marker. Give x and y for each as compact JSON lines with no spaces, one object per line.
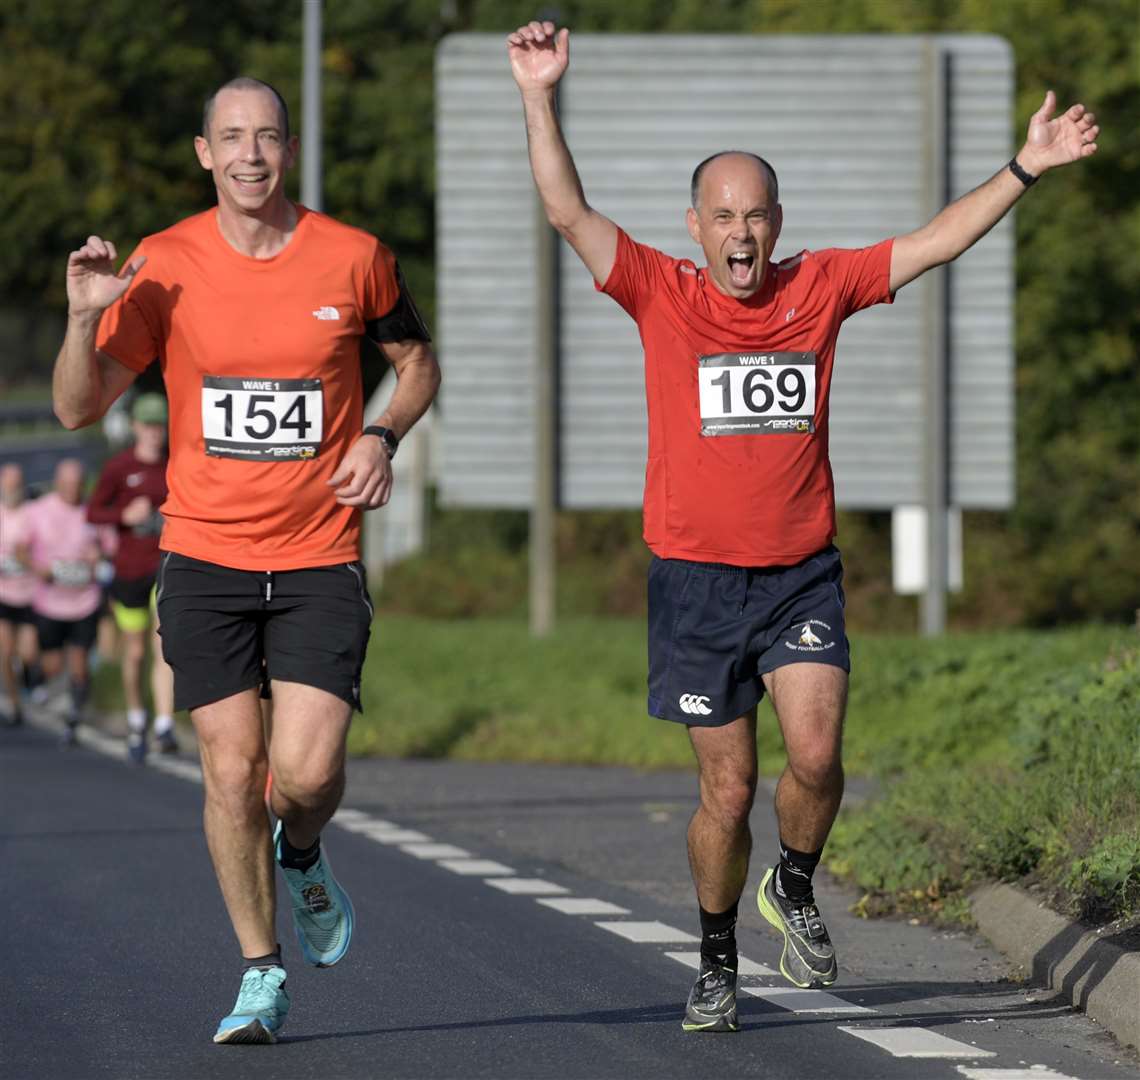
{"x":72,"y":419}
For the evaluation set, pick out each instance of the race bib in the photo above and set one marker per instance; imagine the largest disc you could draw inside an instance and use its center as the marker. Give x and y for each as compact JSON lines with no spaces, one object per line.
{"x":757,"y":393}
{"x":262,"y":419}
{"x":72,"y":574}
{"x":10,"y":566}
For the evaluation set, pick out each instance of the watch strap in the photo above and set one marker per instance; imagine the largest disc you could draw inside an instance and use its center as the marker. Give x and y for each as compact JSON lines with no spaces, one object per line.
{"x":1028,"y":179}
{"x":386,"y":435}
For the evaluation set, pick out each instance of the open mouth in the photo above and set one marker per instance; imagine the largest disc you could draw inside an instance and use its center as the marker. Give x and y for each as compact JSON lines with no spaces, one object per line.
{"x":740,"y":266}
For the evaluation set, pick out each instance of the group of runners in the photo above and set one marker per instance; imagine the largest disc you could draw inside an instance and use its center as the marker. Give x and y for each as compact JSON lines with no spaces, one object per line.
{"x":255,"y":308}
{"x":54,"y":551}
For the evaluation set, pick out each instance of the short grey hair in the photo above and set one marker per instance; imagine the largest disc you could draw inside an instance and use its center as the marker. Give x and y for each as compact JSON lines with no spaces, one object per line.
{"x":244,"y":82}
{"x":698,"y":172}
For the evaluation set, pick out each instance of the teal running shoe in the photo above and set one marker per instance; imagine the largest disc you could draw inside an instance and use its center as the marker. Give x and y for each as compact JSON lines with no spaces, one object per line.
{"x":322,"y":912}
{"x":261,"y":1008}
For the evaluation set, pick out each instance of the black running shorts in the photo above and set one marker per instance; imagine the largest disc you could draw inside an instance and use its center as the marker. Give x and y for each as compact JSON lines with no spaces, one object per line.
{"x":55,"y":633}
{"x":17,"y":615}
{"x":714,"y":630}
{"x":224,"y":631}
{"x":132,"y":593}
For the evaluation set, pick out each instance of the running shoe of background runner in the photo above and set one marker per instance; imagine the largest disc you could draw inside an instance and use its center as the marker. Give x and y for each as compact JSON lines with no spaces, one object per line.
{"x":167,"y":742}
{"x":261,"y":1007}
{"x":136,"y":748}
{"x":808,"y":959}
{"x":70,"y":735}
{"x":322,"y":912}
{"x":712,"y":1001}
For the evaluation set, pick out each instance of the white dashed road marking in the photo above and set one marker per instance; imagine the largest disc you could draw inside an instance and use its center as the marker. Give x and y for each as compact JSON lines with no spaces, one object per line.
{"x":523,"y":886}
{"x":1034,"y":1072}
{"x":796,"y":1000}
{"x":396,"y":836}
{"x":435,"y":851}
{"x":916,"y":1042}
{"x":577,"y":905}
{"x":472,"y":867}
{"x":651,"y":932}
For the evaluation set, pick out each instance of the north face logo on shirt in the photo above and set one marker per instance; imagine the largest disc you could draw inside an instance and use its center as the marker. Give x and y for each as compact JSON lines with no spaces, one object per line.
{"x":326,"y":314}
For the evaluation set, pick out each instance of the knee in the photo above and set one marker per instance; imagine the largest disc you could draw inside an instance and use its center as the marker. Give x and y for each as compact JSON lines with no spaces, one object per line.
{"x":235,"y":781}
{"x":306,"y":782}
{"x":728,"y":796}
{"x":819,"y":768}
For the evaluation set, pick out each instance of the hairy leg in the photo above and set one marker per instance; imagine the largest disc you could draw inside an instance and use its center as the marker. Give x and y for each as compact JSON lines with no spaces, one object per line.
{"x":720,"y":841}
{"x":810,"y":701}
{"x":234,"y":765}
{"x":306,"y":754}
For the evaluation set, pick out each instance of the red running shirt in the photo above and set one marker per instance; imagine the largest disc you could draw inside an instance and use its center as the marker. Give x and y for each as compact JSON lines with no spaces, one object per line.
{"x":123,"y":479}
{"x":737,"y":396}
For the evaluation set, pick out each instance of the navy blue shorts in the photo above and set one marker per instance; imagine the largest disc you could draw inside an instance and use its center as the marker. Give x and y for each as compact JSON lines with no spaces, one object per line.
{"x":714,"y":630}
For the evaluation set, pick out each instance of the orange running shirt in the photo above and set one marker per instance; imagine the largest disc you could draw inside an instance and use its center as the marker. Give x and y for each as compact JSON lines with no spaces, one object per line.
{"x":737,"y":392}
{"x":261,"y":359}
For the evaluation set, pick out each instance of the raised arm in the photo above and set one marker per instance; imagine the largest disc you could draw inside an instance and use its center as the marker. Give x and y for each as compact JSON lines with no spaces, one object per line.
{"x":1050,"y":142}
{"x":85,"y":381}
{"x":539,"y":58}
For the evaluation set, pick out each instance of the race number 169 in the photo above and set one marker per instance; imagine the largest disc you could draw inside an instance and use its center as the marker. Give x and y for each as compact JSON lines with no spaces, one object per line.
{"x":757,"y":393}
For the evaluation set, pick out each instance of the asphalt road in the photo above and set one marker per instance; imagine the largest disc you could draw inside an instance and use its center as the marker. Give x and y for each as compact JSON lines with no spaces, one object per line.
{"x":121,"y":961}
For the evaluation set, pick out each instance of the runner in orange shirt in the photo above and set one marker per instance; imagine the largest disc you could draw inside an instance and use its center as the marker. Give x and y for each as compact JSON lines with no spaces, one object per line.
{"x":255,"y":309}
{"x":745,"y":590}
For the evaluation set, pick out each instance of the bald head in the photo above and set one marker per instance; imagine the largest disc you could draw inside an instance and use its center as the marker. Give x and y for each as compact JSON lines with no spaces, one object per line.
{"x":244,"y":82}
{"x":732,"y":161}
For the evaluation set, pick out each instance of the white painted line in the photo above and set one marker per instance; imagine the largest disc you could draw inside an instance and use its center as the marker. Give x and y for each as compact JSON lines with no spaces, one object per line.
{"x":435,"y":851}
{"x":182,"y":769}
{"x":1034,"y":1072}
{"x":655,"y":933}
{"x":526,"y":886}
{"x":345,"y":815}
{"x":796,"y":1000}
{"x":484,"y":867}
{"x":579,"y":905}
{"x":915,"y":1042}
{"x":744,"y":966}
{"x":370,"y":825}
{"x":396,"y":836}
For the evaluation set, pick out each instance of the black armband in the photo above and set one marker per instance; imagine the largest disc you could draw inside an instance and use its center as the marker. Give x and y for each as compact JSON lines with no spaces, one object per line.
{"x":403,"y":322}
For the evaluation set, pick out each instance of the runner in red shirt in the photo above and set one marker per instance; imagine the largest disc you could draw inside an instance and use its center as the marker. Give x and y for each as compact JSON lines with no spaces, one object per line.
{"x":745,"y":590}
{"x":131,"y":488}
{"x":255,"y":310}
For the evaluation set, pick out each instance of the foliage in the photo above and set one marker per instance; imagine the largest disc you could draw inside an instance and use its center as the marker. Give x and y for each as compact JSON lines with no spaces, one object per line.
{"x":1058,"y":805}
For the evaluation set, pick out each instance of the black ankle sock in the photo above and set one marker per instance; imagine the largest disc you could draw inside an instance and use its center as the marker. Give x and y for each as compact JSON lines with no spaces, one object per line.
{"x":297,"y":859}
{"x":793,"y":875}
{"x":718,"y":936}
{"x":269,"y":960}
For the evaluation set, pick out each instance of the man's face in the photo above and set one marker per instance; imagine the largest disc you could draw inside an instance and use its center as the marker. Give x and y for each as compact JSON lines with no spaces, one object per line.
{"x":736,"y":223}
{"x":69,"y":481}
{"x":11,"y":484}
{"x":247,"y":150}
{"x":149,"y":438}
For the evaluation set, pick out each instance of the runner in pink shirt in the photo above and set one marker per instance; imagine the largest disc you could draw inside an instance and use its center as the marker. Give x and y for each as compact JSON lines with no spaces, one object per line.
{"x":62,"y":549}
{"x":17,"y":584}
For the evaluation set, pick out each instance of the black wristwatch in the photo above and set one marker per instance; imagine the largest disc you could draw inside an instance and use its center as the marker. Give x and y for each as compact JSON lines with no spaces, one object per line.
{"x":387,"y":436}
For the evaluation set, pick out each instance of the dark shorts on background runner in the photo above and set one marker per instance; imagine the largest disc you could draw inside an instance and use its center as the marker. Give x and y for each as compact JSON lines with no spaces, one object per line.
{"x":132,"y":592}
{"x":714,"y":630}
{"x":218,"y":625}
{"x":55,"y":633}
{"x":17,"y":614}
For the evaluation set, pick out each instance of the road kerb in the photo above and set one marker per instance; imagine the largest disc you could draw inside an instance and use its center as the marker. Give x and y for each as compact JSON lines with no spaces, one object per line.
{"x":1095,"y":974}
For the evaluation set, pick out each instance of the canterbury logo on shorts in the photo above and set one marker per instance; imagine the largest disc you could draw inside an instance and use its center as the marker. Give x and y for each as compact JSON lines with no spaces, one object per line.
{"x":695,"y":704}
